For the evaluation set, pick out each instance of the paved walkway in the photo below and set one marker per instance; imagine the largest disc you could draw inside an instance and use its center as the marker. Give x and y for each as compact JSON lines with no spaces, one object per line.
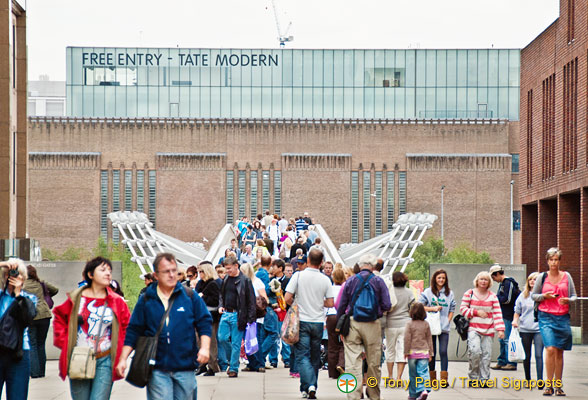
{"x":276,"y":384}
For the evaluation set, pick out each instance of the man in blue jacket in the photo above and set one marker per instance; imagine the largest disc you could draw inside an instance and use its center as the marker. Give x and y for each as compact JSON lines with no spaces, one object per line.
{"x":177,"y":352}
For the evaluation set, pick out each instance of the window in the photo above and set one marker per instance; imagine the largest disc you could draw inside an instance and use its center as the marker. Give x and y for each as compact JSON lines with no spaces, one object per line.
{"x":265,"y":190}
{"x":253,"y":194}
{"x":570,"y":116}
{"x":128,"y":190}
{"x":354,"y":207}
{"x":515,"y":163}
{"x":390,"y":199}
{"x":529,"y":138}
{"x":401,"y":193}
{"x":278,"y":192}
{"x":241,"y":183}
{"x":230,"y":197}
{"x":367,"y":218}
{"x":516,"y":220}
{"x":548,"y":125}
{"x":115,"y":200}
{"x":571,"y":16}
{"x":141,"y":191}
{"x":104,"y":204}
{"x":152,"y":193}
{"x":378,"y":193}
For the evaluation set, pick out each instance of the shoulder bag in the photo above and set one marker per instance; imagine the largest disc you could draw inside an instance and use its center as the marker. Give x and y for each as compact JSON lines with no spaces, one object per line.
{"x":82,"y":364}
{"x":145,"y":354}
{"x":46,"y":296}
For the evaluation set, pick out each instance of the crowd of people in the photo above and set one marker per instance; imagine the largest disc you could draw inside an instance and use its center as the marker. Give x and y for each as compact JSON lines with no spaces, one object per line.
{"x":350,"y":320}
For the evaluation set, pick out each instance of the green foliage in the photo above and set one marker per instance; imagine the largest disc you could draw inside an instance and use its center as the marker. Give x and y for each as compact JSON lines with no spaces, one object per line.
{"x":433,"y":251}
{"x":131,"y":283}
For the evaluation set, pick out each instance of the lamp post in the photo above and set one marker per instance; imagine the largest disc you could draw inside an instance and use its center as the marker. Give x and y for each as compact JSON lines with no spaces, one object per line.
{"x":442,"y":189}
{"x":511,"y":225}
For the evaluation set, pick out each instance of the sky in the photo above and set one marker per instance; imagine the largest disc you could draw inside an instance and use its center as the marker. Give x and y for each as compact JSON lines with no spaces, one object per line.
{"x":52,"y":25}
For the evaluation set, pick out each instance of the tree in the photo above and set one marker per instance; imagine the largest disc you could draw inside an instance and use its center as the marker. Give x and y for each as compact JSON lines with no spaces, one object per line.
{"x":433,"y":251}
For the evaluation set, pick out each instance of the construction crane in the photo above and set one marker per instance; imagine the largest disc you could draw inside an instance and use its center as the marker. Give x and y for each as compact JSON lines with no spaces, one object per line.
{"x":282,"y":37}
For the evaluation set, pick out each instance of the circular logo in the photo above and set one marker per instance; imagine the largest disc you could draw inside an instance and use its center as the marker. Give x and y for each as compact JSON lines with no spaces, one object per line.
{"x":346,"y":383}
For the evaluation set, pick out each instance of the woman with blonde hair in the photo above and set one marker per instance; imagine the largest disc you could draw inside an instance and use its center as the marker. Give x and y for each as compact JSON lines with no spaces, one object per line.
{"x":554,"y":290}
{"x":482,"y":308}
{"x":524,"y":320}
{"x":255,"y":362}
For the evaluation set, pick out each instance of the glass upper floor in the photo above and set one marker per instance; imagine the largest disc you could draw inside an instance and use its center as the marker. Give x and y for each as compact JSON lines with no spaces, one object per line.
{"x":288,"y":83}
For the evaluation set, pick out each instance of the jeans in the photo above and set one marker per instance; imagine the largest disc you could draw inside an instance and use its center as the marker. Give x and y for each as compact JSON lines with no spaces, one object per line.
{"x":269,"y":334}
{"x":16,"y":376}
{"x":308,"y":353}
{"x":37,"y":336}
{"x":293,"y":362}
{"x":98,"y":388}
{"x":503,"y":357}
{"x":443,"y":339}
{"x":417,"y":367}
{"x":164,"y":385}
{"x":230,"y":337}
{"x":528,"y":338}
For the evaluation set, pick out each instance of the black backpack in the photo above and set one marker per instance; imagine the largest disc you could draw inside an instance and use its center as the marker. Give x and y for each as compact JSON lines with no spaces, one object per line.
{"x":16,"y":318}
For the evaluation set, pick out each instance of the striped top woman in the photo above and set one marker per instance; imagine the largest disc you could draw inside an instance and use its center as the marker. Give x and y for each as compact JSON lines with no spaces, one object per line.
{"x":482,"y":308}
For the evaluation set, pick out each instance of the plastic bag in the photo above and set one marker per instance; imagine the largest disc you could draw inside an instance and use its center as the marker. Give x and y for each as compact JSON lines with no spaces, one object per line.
{"x":516,"y":352}
{"x":434,"y":320}
{"x":291,"y":326}
{"x":251,"y":345}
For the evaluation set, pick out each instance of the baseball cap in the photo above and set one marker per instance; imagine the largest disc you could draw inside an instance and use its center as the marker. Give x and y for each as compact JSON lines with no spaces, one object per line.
{"x":496,"y":268}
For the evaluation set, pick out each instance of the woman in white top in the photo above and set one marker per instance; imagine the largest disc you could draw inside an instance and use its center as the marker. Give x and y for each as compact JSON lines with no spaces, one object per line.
{"x":255,"y":363}
{"x":335,"y":349}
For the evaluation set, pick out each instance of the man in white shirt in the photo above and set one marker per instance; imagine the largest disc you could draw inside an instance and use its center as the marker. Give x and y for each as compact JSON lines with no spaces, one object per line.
{"x":313,"y":292}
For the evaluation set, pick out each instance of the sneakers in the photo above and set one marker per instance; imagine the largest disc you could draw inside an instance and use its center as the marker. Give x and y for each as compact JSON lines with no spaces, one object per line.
{"x":423,"y":395}
{"x":340,"y":370}
{"x":304,"y":395}
{"x":311,"y":392}
{"x":294,"y":374}
{"x":232,"y":374}
{"x":274,"y":365}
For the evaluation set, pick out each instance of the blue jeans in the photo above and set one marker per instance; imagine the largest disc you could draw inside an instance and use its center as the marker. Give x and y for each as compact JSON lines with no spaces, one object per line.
{"x":37,"y":337}
{"x":308,"y":353}
{"x":293,"y":363}
{"x":417,"y":367}
{"x":164,"y":385}
{"x":503,"y":357}
{"x":98,"y":388}
{"x":16,"y":376}
{"x":230,"y":338}
{"x":269,"y":334}
{"x":285,"y":352}
{"x":528,"y":338}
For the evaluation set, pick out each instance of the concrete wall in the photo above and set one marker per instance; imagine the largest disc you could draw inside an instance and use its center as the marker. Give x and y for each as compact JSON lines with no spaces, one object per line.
{"x":461,"y":277}
{"x":65,"y":275}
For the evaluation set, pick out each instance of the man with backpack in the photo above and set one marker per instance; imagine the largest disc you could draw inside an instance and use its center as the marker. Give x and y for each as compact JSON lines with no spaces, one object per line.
{"x":313,"y":292}
{"x":365,"y":298}
{"x":507,"y":294}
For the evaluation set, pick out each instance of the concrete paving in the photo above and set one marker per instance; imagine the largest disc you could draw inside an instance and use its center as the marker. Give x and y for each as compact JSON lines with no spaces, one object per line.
{"x":276,"y":384}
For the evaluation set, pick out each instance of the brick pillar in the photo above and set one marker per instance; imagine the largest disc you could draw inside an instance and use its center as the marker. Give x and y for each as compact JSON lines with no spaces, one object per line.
{"x":530,"y":227}
{"x":568,"y":240}
{"x":547,"y":231}
{"x":582,"y":285}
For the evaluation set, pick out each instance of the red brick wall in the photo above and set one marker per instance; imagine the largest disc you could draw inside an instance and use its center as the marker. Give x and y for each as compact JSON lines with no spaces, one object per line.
{"x":568,"y":238}
{"x":547,"y":229}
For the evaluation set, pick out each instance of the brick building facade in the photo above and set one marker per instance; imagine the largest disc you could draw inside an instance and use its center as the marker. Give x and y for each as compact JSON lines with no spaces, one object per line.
{"x":193,"y":176}
{"x":554,"y":157}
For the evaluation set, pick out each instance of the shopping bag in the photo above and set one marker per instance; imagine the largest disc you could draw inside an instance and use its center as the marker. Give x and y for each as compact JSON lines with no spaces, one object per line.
{"x":291,"y":326}
{"x":434,"y":320}
{"x":516,"y":352}
{"x":251,"y":345}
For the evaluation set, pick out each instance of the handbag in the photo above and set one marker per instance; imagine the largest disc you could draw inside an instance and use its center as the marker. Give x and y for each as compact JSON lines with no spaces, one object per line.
{"x":344,"y":321}
{"x":251,"y":344}
{"x":82,"y":364}
{"x":434,"y":320}
{"x":145,"y":354}
{"x":291,"y":326}
{"x":46,"y":296}
{"x":516,"y":352}
{"x":260,"y":306}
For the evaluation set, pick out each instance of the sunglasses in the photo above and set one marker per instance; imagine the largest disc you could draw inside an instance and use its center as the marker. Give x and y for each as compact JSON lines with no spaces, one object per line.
{"x":190,"y":276}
